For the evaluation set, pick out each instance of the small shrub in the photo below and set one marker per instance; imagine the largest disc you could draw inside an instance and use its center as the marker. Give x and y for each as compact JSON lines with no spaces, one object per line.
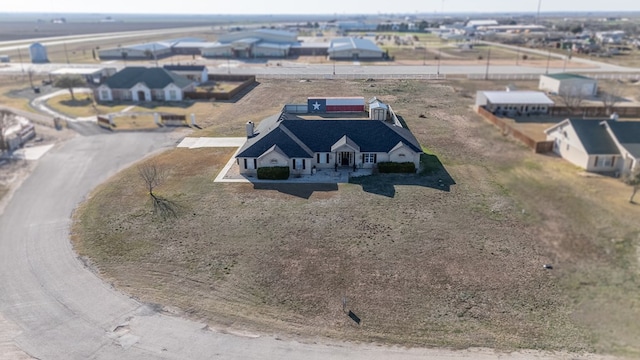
{"x":273,"y":173}
{"x":394,"y":167}
{"x":524,"y":57}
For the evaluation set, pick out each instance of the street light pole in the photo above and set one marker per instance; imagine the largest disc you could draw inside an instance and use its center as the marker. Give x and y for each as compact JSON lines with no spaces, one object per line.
{"x":66,"y":54}
{"x":486,"y":73}
{"x":20,"y":57}
{"x":548,"y":59}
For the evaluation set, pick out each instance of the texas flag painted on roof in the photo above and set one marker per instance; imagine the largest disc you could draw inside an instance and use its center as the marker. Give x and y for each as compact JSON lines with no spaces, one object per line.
{"x":316,"y":105}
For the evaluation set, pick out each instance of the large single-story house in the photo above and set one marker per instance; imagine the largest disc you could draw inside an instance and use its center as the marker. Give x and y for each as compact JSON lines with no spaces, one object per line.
{"x":197,"y":73}
{"x":136,"y":83}
{"x":306,"y":140}
{"x":568,"y":84}
{"x":514,"y":103}
{"x":598,"y":145}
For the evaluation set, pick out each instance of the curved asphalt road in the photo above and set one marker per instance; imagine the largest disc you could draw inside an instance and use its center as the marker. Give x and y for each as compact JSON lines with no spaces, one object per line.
{"x":53,"y":307}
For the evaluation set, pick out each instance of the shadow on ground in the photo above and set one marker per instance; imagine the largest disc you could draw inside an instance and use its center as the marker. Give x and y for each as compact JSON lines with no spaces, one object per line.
{"x":432,"y":175}
{"x":300,"y":190}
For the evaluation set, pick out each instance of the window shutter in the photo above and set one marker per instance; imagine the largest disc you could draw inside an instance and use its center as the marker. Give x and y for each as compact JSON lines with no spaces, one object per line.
{"x":595,"y":163}
{"x":318,"y":158}
{"x":303,"y":164}
{"x":613,"y":161}
{"x":294,"y":164}
{"x":255,"y":163}
{"x":362,"y":158}
{"x":245,"y":163}
{"x":327,"y":158}
{"x":375,"y":158}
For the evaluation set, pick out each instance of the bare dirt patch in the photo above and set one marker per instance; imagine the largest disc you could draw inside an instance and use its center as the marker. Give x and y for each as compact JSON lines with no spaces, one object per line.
{"x":420,"y":266}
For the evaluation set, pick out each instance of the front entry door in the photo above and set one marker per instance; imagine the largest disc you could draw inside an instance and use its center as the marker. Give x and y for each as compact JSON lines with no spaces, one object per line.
{"x":141,"y":96}
{"x":345,"y":158}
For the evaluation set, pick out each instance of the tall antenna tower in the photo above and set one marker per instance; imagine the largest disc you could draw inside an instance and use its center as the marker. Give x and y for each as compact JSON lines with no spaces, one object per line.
{"x":538,"y":13}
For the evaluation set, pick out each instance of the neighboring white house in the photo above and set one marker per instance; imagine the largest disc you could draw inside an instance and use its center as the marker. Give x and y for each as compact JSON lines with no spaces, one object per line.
{"x":568,"y":84}
{"x":597,"y":145}
{"x":304,"y":143}
{"x":140,"y":84}
{"x":514,"y":103}
{"x":197,"y":73}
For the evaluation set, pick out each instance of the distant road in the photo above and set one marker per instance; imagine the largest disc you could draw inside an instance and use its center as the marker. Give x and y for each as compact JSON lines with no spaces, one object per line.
{"x":71,"y":39}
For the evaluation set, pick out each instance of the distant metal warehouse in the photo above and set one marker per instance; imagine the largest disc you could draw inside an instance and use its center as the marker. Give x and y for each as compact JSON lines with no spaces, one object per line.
{"x":38,"y":53}
{"x":355,"y":49}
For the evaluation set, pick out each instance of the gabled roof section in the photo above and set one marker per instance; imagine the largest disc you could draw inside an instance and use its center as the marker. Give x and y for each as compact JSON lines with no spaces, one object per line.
{"x":627,"y":134}
{"x":345,"y":141}
{"x":352,"y":43}
{"x":594,"y":137}
{"x":153,"y":78}
{"x":256,"y":146}
{"x":275,"y":149}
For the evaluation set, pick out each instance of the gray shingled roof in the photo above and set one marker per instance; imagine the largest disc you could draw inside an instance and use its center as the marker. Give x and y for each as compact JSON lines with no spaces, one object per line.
{"x":184,"y":67}
{"x":594,"y":137}
{"x":320,"y":135}
{"x":154,"y":78}
{"x":627,"y":133}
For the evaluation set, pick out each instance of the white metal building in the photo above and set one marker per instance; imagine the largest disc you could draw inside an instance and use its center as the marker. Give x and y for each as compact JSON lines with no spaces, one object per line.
{"x":354,"y":48}
{"x":568,"y":84}
{"x":252,"y":44}
{"x":38,"y":53}
{"x":514,"y":102}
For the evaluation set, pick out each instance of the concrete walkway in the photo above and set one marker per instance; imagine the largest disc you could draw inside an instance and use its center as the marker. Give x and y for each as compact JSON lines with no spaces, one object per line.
{"x":200,"y":142}
{"x":40,"y":104}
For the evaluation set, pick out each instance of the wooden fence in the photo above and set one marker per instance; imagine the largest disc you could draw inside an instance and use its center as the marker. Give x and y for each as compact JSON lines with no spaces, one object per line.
{"x":247,"y":80}
{"x":595,"y":111}
{"x":508,"y":130}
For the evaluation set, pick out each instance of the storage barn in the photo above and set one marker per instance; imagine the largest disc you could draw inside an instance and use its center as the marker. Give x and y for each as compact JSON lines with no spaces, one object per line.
{"x":514,"y":103}
{"x":38,"y":53}
{"x":568,"y":84}
{"x":352,"y":48}
{"x":335,"y":104}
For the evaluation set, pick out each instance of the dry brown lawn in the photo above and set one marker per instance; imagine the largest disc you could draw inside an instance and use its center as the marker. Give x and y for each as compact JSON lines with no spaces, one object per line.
{"x":421,"y":266}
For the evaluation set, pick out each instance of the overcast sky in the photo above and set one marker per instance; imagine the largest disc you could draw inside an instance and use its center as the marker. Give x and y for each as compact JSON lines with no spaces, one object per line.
{"x":311,"y":7}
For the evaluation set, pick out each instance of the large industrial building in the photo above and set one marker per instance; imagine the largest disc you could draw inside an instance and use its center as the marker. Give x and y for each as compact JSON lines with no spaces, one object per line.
{"x":258,"y":43}
{"x":353,"y":48}
{"x":154,"y":50}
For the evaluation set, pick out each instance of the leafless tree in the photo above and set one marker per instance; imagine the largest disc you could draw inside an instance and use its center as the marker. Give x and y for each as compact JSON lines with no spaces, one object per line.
{"x":572,"y":99}
{"x":633,"y":179}
{"x":70,"y":82}
{"x":610,"y":97}
{"x":153,"y":176}
{"x":6,"y":120}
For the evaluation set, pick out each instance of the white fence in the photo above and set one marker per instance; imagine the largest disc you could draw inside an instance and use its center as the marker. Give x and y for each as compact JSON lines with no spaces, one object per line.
{"x":353,"y":76}
{"x":597,"y":76}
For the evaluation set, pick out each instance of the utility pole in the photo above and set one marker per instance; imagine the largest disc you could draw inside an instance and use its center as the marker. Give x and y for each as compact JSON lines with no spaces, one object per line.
{"x":517,"y":55}
{"x":486,"y":73}
{"x":20,"y":57}
{"x":538,"y":13}
{"x":439,"y":56}
{"x":548,"y":60}
{"x":66,"y":54}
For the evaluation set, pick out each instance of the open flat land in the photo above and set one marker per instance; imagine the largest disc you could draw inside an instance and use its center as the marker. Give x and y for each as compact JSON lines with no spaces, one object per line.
{"x":421,"y":266}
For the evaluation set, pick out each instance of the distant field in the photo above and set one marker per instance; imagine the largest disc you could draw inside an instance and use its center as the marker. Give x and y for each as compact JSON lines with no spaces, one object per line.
{"x":17,"y":30}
